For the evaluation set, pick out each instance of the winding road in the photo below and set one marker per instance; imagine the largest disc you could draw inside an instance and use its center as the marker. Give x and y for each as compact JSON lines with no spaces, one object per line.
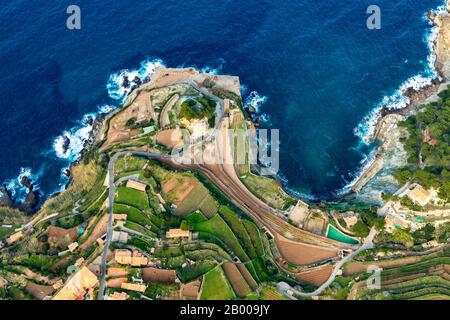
{"x":283,"y":287}
{"x":111,"y":193}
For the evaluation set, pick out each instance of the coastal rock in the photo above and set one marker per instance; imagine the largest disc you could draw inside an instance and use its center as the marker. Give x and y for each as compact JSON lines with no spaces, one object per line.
{"x":67,"y":173}
{"x":137,"y":81}
{"x":6,"y":198}
{"x":251,"y":110}
{"x":431,"y":15}
{"x":66,"y":144}
{"x":125,"y":82}
{"x":90,"y":121}
{"x":31,"y":202}
{"x":26,"y":182}
{"x":442,"y":45}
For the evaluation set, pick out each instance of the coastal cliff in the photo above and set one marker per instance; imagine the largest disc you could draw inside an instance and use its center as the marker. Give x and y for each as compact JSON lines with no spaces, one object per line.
{"x":441,"y":45}
{"x":386,"y":130}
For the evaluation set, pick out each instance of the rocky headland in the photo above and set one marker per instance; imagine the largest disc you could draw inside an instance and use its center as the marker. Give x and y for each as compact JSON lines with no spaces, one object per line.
{"x":386,"y":130}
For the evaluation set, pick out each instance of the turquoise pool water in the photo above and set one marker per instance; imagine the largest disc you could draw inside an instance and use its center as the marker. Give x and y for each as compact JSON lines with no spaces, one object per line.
{"x":337,"y":235}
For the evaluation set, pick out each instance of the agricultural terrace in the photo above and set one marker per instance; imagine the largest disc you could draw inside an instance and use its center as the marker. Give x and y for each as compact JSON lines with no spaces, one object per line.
{"x":215,"y":286}
{"x":417,"y":277}
{"x":269,"y":190}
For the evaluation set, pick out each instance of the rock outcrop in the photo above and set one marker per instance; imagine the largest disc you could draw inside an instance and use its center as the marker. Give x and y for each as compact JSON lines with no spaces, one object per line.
{"x":442,"y":43}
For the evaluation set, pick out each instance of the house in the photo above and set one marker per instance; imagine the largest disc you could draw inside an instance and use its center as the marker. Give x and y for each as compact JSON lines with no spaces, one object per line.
{"x":420,"y":195}
{"x":136,"y":185}
{"x":79,"y":262}
{"x":78,"y":286}
{"x":134,"y":287}
{"x":14,"y":237}
{"x":119,"y":236}
{"x":299,"y":213}
{"x":393,"y":220}
{"x":117,"y":272}
{"x":138,"y":259}
{"x":73,"y":246}
{"x":118,"y":296}
{"x":350,"y":218}
{"x":118,"y":216}
{"x":122,"y":256}
{"x":126,"y":257}
{"x":178,"y":234}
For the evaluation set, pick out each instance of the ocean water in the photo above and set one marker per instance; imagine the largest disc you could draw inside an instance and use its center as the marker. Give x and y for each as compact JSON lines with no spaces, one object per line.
{"x":315,"y":70}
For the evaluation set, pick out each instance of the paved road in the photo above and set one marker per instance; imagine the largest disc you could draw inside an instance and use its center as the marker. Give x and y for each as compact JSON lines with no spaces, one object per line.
{"x":283,"y":287}
{"x":111,"y":193}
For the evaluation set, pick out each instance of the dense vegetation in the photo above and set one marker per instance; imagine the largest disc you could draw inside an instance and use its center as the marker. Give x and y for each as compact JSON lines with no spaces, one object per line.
{"x":198,"y":109}
{"x":428,"y":147}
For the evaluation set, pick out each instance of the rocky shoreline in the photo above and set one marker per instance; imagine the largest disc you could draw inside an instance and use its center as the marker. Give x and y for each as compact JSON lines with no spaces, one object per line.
{"x":386,"y":129}
{"x":31,"y":202}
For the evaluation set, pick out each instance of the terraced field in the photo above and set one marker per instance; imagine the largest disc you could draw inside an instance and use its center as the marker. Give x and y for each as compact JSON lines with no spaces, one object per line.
{"x":415,"y":278}
{"x":215,"y":286}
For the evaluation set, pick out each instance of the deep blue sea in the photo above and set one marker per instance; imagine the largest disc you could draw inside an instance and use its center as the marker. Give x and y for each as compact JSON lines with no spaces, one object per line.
{"x":317,"y":70}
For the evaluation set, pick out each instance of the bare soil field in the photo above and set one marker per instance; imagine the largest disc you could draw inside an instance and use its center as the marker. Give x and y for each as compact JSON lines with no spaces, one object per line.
{"x":170,"y":138}
{"x":317,"y":276}
{"x":191,"y":290}
{"x":99,"y":230}
{"x":236,"y":279}
{"x":303,"y":254}
{"x":247,"y":276}
{"x":360,"y":267}
{"x":155,"y":275}
{"x":140,"y":109}
{"x":188,"y":194}
{"x":116,"y":282}
{"x":60,"y":237}
{"x":177,"y":188}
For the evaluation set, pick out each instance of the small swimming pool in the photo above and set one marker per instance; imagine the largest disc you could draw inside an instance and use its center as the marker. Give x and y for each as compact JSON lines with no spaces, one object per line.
{"x":335,"y":234}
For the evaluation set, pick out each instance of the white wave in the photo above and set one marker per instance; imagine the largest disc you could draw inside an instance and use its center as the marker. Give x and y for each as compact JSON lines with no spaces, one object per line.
{"x":365,"y":164}
{"x":118,"y":91}
{"x":18,"y":191}
{"x":76,"y":137}
{"x":255,"y":100}
{"x":211,"y":70}
{"x":398,"y":100}
{"x":107,"y":108}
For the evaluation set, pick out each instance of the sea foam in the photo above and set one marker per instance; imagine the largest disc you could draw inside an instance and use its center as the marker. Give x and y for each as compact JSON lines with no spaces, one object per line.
{"x":398,"y":100}
{"x":14,"y":185}
{"x":115,"y":87}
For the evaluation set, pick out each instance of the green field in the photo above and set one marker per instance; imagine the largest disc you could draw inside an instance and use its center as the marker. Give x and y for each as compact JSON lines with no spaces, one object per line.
{"x":218,"y":228}
{"x":255,"y":236}
{"x":131,"y":197}
{"x":199,"y":199}
{"x":215,"y":286}
{"x":135,"y":215}
{"x":139,"y":228}
{"x":236,"y":225}
{"x":267,"y":189}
